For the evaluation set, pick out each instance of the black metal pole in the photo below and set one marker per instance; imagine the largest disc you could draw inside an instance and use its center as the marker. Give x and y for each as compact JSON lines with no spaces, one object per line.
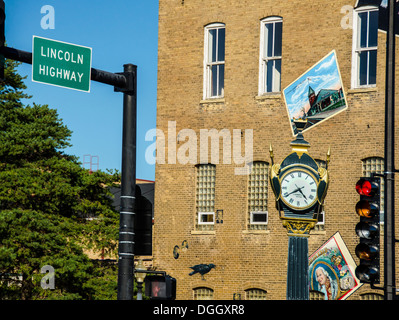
{"x":389,"y":218}
{"x":128,"y":185}
{"x":297,"y":270}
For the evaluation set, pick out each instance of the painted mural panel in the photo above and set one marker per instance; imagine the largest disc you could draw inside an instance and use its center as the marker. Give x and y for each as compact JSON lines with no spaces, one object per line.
{"x":332,"y":270}
{"x":316,"y":95}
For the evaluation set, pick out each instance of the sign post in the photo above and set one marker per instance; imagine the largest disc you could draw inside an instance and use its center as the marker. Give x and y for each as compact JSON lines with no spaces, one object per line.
{"x":61,"y":64}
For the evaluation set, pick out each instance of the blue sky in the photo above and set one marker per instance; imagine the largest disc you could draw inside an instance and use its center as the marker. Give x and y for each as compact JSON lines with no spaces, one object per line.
{"x":323,"y":75}
{"x":119,"y":32}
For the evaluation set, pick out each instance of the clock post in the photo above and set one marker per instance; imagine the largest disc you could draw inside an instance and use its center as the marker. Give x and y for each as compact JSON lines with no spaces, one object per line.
{"x":300,"y":186}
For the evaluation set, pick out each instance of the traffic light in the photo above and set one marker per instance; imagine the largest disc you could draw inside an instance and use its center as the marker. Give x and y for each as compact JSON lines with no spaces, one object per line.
{"x":368,"y":230}
{"x":160,"y":287}
{"x":143,"y":225}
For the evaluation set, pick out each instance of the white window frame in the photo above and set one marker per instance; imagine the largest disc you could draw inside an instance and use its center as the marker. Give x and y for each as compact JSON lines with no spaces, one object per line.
{"x":323,"y":215}
{"x":201,"y":214}
{"x":251,"y":219}
{"x":276,"y":84}
{"x":208,"y":64}
{"x":356,"y":49}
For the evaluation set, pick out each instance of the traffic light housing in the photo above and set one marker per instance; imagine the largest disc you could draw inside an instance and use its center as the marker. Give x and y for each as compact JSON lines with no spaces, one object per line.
{"x":368,"y":230}
{"x":160,"y":287}
{"x":143,"y":225}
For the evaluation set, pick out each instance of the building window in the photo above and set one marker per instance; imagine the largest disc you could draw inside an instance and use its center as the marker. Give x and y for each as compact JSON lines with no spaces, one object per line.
{"x":371,"y":296}
{"x":257,"y":196}
{"x":203,"y":293}
{"x":321,"y":217}
{"x":214,"y":61}
{"x":375,"y":165}
{"x":270,"y":55}
{"x":255,"y":294}
{"x":316,"y":295}
{"x":365,"y":37}
{"x":206,"y":217}
{"x":205,"y":197}
{"x":320,"y":221}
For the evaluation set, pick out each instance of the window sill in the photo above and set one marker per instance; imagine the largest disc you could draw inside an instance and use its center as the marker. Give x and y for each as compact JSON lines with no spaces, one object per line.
{"x":212,"y":100}
{"x":210,"y":232}
{"x":256,"y":231}
{"x":318,"y":232}
{"x":271,"y":95}
{"x":362,"y":90}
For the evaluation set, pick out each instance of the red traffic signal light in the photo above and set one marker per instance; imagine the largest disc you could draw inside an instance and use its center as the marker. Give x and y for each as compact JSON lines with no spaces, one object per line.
{"x":160,"y":287}
{"x":366,"y":187}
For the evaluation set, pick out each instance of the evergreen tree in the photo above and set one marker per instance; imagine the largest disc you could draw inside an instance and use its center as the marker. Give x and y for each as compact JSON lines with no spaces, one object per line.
{"x":52,"y":211}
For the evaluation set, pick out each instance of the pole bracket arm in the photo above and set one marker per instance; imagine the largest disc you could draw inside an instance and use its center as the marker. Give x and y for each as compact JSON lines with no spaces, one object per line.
{"x":130,"y":84}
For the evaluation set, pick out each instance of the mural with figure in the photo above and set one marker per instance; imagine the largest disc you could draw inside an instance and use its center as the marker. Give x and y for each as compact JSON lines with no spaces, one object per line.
{"x":332,"y":270}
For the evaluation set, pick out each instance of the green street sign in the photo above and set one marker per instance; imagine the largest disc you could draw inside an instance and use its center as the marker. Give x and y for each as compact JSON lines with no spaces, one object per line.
{"x":61,"y":64}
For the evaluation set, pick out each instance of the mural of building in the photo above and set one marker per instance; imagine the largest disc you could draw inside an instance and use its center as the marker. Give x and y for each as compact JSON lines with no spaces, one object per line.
{"x":326,"y":99}
{"x":222,"y":69}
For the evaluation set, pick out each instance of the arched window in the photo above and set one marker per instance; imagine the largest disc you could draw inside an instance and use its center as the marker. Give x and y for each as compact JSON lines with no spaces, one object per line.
{"x":316,"y":295}
{"x":271,"y":33}
{"x":364,"y":47}
{"x":255,"y":294}
{"x":214,"y":60}
{"x":203,"y":293}
{"x":371,"y":296}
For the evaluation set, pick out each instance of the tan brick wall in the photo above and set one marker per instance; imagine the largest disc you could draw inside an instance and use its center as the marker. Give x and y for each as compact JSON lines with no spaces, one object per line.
{"x":311,"y":29}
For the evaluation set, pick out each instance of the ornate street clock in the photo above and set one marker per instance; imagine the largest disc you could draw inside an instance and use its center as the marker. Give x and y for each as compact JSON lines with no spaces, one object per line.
{"x":300,"y":186}
{"x":298,"y":183}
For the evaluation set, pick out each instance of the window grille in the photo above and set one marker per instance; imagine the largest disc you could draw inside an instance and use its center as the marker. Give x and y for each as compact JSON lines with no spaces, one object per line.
{"x":255,"y":294}
{"x":371,"y":296}
{"x":203,"y":293}
{"x":316,"y":295}
{"x":205,"y":197}
{"x":257,"y":196}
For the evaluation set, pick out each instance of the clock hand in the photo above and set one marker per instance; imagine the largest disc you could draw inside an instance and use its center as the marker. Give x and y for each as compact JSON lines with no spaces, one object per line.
{"x":296,"y":190}
{"x":299,"y":189}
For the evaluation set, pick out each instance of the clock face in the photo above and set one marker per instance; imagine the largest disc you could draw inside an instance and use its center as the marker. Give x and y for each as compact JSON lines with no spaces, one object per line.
{"x":298,"y":189}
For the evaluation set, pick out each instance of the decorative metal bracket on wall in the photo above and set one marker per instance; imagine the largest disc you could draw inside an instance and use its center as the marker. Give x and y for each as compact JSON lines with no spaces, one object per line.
{"x":219,"y":216}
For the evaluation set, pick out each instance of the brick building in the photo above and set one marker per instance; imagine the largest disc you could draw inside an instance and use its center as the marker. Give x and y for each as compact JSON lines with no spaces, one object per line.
{"x":223,"y":65}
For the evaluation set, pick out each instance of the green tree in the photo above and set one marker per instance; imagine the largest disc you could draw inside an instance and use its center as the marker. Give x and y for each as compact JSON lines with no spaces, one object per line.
{"x":52,"y":211}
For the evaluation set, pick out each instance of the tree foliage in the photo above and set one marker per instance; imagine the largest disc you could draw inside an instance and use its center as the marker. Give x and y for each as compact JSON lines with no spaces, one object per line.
{"x":52,"y":211}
